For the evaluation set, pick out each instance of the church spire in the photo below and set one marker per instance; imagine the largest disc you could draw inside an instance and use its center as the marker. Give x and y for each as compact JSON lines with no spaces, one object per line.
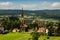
{"x":22,"y":17}
{"x":22,"y":14}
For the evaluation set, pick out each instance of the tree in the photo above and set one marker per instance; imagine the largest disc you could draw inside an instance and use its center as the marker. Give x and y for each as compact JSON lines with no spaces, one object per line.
{"x":58,"y":30}
{"x":49,"y":24}
{"x":34,"y":25}
{"x":10,"y":24}
{"x":35,"y":35}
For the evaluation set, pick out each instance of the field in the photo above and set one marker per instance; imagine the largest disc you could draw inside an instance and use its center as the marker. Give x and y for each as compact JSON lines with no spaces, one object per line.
{"x":23,"y":36}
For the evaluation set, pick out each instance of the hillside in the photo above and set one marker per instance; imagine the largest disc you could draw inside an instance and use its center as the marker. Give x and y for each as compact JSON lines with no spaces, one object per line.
{"x":42,"y":13}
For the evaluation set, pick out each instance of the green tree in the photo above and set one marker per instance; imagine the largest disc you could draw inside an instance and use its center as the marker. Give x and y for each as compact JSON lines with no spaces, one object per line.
{"x":58,"y":30}
{"x":35,"y":35}
{"x":49,"y":24}
{"x":10,"y":24}
{"x":34,"y":25}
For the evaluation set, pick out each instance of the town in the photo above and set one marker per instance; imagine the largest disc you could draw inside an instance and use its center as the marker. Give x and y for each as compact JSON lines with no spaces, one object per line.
{"x":29,"y":19}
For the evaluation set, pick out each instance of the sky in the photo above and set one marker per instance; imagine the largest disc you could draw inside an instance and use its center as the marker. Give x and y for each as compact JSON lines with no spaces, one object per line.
{"x":30,"y":4}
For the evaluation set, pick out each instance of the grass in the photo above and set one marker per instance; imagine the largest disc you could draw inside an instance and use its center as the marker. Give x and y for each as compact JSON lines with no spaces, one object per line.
{"x":23,"y":36}
{"x":14,"y":36}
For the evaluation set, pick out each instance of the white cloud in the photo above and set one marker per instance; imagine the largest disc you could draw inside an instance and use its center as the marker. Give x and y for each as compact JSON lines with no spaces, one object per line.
{"x":5,"y":3}
{"x":50,"y":5}
{"x":28,"y":6}
{"x":56,"y":4}
{"x":36,"y":6}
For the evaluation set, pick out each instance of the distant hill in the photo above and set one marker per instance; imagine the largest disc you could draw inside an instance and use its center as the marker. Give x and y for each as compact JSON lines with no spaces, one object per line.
{"x":43,"y":13}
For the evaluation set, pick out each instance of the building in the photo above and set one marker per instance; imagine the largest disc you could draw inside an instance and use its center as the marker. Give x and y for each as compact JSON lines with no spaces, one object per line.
{"x":23,"y":26}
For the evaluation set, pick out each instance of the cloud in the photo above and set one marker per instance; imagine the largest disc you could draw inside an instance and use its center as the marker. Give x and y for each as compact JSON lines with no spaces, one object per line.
{"x":49,"y":5}
{"x":28,"y":6}
{"x":5,"y":3}
{"x":56,"y":4}
{"x":35,"y":6}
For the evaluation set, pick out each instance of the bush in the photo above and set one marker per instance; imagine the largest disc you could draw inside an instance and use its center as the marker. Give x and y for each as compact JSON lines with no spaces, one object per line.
{"x":35,"y":35}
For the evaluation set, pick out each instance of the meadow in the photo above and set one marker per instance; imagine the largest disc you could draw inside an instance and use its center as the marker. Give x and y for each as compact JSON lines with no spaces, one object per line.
{"x":23,"y":36}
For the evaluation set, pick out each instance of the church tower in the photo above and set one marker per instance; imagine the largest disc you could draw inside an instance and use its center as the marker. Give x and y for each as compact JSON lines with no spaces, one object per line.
{"x":22,"y":27}
{"x":22,"y":18}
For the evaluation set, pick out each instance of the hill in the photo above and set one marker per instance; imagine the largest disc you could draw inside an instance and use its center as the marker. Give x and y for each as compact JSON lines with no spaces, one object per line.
{"x":55,"y":14}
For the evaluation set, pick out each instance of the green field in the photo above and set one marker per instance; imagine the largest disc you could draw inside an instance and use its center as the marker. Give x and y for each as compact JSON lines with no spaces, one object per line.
{"x":23,"y":36}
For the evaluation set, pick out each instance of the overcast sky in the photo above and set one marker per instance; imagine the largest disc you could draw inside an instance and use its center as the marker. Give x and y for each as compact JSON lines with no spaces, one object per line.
{"x":30,"y":4}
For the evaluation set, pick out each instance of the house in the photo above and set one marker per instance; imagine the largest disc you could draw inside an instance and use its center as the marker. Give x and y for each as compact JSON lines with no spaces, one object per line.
{"x":42,"y":29}
{"x":15,"y":30}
